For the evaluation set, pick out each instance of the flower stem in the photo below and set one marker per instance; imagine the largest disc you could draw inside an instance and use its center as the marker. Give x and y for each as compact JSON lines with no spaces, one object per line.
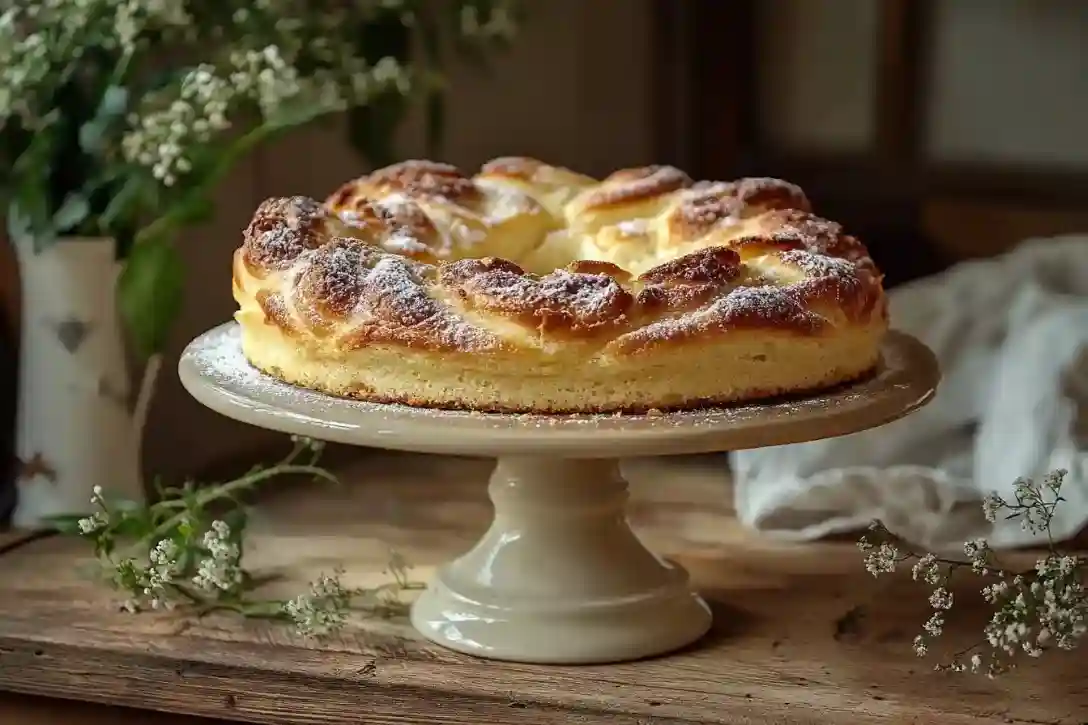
{"x":218,"y":492}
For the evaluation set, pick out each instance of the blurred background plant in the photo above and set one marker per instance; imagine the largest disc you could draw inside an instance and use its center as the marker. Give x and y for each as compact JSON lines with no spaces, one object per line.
{"x":119,"y":120}
{"x":100,"y":137}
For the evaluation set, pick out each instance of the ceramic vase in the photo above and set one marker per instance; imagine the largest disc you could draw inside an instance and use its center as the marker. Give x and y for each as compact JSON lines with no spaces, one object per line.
{"x":75,"y":427}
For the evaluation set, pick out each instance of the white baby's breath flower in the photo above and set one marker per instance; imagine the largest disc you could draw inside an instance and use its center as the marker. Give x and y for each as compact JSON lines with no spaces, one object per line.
{"x":992,"y":593}
{"x":166,"y":132}
{"x":926,"y":569}
{"x":323,"y":609}
{"x":881,"y":559}
{"x":220,"y":569}
{"x":284,"y":60}
{"x":164,"y":568}
{"x":1032,"y":611}
{"x":979,"y":552}
{"x":264,"y":76}
{"x":941,"y":598}
{"x":1053,"y":480}
{"x":161,"y":139}
{"x":92,"y":524}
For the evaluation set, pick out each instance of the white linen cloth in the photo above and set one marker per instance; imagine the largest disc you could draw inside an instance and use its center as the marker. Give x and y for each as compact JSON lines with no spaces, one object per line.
{"x":1011,"y":334}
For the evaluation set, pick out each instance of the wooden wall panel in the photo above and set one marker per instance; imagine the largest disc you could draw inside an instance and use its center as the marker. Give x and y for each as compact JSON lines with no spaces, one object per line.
{"x":9,"y":285}
{"x":967,"y":229}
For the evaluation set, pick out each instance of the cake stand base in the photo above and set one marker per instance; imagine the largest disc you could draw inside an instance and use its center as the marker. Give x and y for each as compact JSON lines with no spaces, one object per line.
{"x":560,"y":577}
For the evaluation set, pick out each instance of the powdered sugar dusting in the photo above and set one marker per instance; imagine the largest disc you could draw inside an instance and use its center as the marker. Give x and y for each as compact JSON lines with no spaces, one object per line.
{"x":759,"y":303}
{"x":632,"y":185}
{"x":396,"y":205}
{"x":463,"y":235}
{"x":214,"y":368}
{"x":364,"y":295}
{"x":505,"y":202}
{"x":576,"y":300}
{"x":218,"y":355}
{"x":395,"y":297}
{"x":282,"y":228}
{"x":634,"y":227}
{"x":708,"y":205}
{"x":819,"y":265}
{"x":402,"y":242}
{"x":742,"y":307}
{"x":590,"y":295}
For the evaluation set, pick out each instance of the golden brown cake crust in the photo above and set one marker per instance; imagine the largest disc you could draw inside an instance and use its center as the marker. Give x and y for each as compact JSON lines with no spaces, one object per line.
{"x":529,"y":287}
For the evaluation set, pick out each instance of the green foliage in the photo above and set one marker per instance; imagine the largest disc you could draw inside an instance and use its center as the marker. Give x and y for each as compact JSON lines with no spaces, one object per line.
{"x":108,"y":128}
{"x":150,"y":293}
{"x":186,"y":550}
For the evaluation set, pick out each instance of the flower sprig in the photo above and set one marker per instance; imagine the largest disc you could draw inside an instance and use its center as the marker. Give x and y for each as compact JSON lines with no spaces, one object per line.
{"x":120,"y":118}
{"x":325,"y":607}
{"x":186,"y":550}
{"x":1033,"y":610}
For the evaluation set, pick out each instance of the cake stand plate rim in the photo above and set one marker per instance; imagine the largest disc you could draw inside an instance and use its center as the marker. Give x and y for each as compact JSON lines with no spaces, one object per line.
{"x":214,"y":371}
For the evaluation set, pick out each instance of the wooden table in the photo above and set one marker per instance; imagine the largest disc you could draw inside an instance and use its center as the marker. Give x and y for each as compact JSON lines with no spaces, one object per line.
{"x":29,"y":710}
{"x":802,"y":634}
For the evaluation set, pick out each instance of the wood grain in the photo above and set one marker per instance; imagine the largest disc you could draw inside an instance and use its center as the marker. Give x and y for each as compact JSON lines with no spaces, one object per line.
{"x":28,"y":710}
{"x":802,"y":634}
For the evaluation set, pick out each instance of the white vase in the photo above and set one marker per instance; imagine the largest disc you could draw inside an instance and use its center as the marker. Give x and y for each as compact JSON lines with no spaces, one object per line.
{"x":75,"y":423}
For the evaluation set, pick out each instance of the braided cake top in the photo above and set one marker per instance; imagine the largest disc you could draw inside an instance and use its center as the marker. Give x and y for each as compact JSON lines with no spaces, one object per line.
{"x":524,"y":253}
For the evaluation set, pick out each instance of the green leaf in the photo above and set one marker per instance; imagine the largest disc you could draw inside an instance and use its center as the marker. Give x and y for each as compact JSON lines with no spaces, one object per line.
{"x":67,"y":524}
{"x":92,"y":134}
{"x":236,"y":519}
{"x":196,"y":205}
{"x":193,"y":209}
{"x":72,"y":213}
{"x":125,"y":201}
{"x":122,"y":505}
{"x":149,"y":293}
{"x":133,"y":524}
{"x":28,"y":220}
{"x":291,"y":115}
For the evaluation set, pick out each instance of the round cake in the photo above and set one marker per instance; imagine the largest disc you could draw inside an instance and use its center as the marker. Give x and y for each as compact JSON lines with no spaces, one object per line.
{"x":530,"y":288}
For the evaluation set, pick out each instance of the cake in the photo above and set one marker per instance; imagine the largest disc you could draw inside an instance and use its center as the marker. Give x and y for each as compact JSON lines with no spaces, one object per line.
{"x":531,"y":288}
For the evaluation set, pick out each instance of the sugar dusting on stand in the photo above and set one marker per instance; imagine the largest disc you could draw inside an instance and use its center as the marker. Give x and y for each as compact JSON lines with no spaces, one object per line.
{"x":218,"y":360}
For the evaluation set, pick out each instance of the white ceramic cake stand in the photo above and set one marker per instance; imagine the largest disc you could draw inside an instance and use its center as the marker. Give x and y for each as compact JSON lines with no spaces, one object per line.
{"x":559,"y":577}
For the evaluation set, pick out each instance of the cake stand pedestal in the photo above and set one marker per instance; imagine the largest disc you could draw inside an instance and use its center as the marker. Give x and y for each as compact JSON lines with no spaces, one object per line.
{"x":559,"y":577}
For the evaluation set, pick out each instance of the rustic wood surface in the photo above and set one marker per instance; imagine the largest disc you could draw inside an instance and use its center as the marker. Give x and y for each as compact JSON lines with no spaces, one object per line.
{"x":14,"y":538}
{"x":802,"y":634}
{"x":30,"y":710}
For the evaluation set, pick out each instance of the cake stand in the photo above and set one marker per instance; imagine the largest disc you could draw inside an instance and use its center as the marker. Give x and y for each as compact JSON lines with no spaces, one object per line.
{"x":559,"y":577}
